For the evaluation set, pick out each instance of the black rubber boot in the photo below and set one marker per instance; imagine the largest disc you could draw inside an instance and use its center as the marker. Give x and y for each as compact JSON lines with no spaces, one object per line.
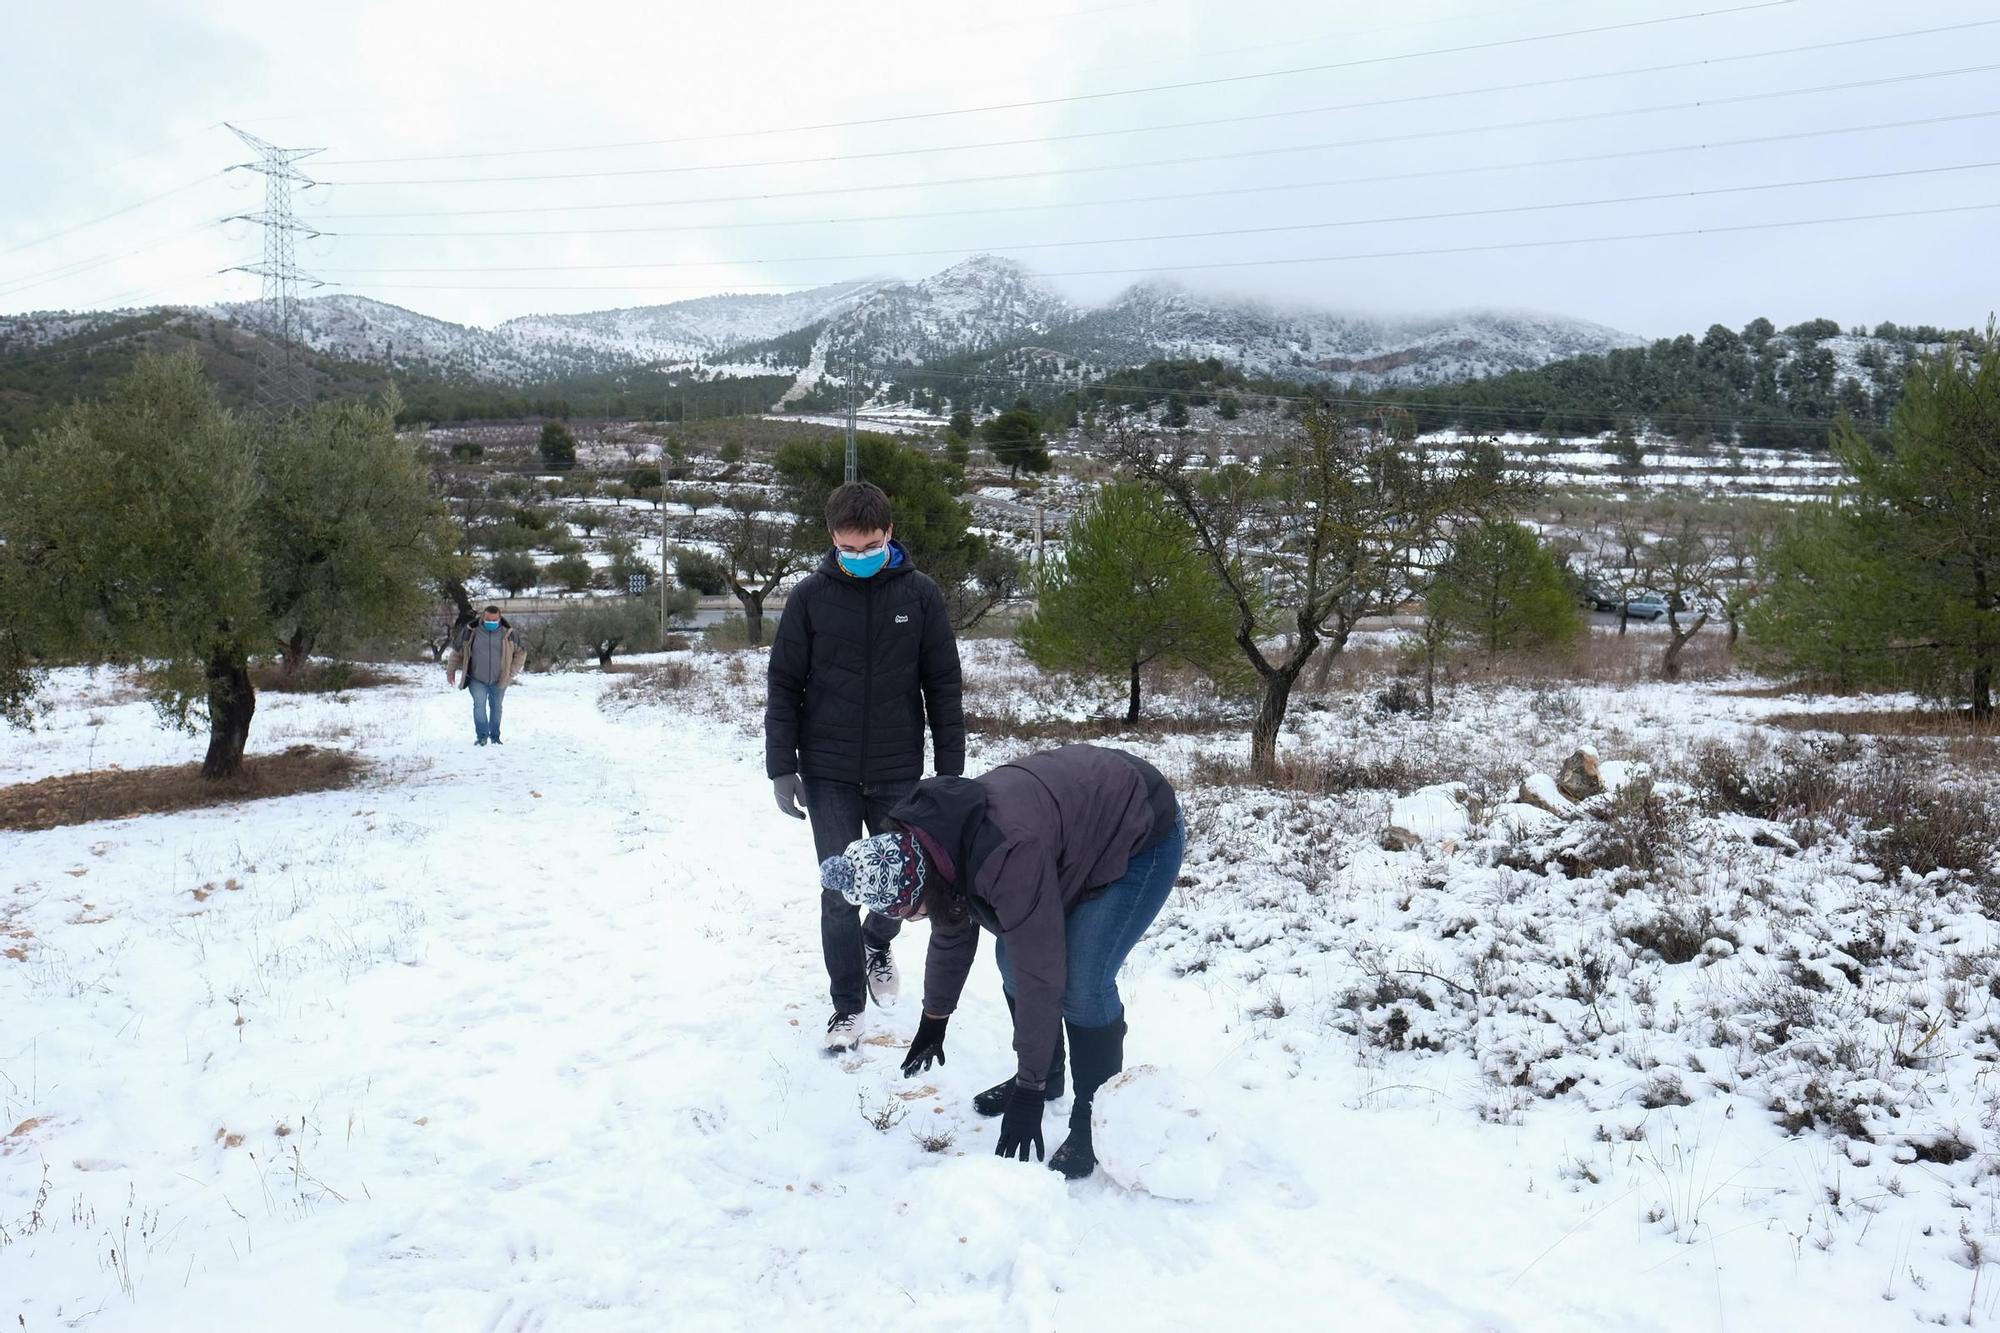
{"x":1096,"y":1054}
{"x":993,"y":1101}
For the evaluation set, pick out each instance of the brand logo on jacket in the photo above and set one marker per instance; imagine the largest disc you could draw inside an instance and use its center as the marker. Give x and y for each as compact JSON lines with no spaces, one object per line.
{"x":902,"y":620}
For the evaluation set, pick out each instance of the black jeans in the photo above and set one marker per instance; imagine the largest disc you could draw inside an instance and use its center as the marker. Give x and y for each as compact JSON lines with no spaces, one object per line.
{"x":838,"y":810}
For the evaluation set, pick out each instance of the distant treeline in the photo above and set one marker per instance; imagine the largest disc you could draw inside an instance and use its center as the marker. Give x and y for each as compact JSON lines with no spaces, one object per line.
{"x":1759,"y":387}
{"x":639,"y":396}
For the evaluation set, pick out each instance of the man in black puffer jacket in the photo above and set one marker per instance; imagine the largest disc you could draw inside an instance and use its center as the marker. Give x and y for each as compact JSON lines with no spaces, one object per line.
{"x":864,"y":654}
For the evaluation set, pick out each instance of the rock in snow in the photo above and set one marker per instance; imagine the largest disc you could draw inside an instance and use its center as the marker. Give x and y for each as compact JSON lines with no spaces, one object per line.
{"x":1152,"y":1135}
{"x":1540,"y":791}
{"x":1579,"y":779}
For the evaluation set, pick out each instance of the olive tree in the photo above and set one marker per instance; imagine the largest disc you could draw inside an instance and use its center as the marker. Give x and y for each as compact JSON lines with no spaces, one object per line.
{"x":156,"y":527}
{"x":1336,"y":522}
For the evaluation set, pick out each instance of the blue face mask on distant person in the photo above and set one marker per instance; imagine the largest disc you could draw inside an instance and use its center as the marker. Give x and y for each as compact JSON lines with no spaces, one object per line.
{"x":865,"y":564}
{"x":491,"y":624}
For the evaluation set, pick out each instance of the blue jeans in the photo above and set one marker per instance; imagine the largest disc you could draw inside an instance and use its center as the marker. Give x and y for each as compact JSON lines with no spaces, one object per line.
{"x":838,"y":810}
{"x":1102,"y":930}
{"x":485,"y":708}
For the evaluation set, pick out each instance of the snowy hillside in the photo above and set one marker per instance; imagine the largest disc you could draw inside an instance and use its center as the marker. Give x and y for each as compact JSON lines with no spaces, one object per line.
{"x":1160,"y":320}
{"x":983,"y":302}
{"x":983,"y":305}
{"x":684,"y":330}
{"x":528,"y":1039}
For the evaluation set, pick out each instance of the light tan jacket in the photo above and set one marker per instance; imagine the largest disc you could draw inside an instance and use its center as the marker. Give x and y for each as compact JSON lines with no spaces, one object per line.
{"x":513,"y":655}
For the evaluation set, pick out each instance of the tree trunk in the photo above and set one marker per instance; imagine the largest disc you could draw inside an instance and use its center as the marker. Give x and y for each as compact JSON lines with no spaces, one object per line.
{"x":1670,"y":665}
{"x":461,"y":599}
{"x":604,"y":651}
{"x":1132,"y":709}
{"x":1624,"y":617}
{"x":298,"y":648}
{"x":231,"y":701}
{"x":1982,"y":691}
{"x":753,"y":615}
{"x":1270,"y":718}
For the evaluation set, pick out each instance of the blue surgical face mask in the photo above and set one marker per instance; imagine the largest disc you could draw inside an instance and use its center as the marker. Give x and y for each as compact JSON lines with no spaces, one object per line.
{"x":491,"y":624}
{"x":865,"y":564}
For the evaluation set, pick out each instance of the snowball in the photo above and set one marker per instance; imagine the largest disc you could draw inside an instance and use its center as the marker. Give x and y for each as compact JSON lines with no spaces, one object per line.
{"x":1152,"y":1135}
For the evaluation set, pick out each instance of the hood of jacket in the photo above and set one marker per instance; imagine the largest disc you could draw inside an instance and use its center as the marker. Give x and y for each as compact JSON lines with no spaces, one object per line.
{"x":953,"y":812}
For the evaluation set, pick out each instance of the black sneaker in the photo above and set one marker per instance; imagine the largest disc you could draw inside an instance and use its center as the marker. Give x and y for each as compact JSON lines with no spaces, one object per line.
{"x":883,"y":983}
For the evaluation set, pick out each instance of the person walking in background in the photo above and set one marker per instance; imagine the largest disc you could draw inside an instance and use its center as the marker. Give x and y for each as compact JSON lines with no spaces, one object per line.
{"x":864,"y":655}
{"x":490,"y":653}
{"x":1066,"y":857}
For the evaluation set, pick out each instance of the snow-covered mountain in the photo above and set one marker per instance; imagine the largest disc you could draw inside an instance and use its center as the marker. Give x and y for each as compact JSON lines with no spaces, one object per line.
{"x":981,"y":303}
{"x":984,"y":307}
{"x":544,"y":347}
{"x":1156,"y":320}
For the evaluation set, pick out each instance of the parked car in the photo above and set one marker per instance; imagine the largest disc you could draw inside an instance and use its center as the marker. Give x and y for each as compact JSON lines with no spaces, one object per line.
{"x":1648,"y":608}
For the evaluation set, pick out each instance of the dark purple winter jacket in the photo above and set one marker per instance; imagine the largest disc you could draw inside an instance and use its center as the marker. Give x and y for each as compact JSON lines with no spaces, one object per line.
{"x":1027,"y":842}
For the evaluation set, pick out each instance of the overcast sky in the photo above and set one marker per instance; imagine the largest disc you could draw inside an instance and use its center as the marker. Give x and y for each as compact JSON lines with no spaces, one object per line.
{"x":113,"y":103}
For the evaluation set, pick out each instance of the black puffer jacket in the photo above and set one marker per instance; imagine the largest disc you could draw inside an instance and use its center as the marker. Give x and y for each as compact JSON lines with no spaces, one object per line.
{"x":856,"y":666}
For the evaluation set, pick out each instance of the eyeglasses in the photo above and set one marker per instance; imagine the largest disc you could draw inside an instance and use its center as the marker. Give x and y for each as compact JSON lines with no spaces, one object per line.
{"x":865,"y":554}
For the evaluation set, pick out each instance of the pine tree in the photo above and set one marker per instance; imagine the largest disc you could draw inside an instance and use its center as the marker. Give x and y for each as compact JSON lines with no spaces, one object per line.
{"x":1898,"y":581}
{"x":1016,"y":439}
{"x":1501,"y":589}
{"x":558,"y":446}
{"x":1132,"y":588}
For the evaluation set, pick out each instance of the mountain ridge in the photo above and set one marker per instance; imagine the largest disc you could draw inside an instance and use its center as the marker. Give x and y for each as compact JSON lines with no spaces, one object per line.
{"x":985,"y":306}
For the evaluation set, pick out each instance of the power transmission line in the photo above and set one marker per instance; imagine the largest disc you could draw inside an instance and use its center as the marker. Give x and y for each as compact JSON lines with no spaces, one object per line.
{"x":1489,"y":127}
{"x":1370,"y":104}
{"x":1167,"y":197}
{"x":1497,"y":211}
{"x":1012,"y":176}
{"x":1182,"y":86}
{"x":115,"y":213}
{"x":281,"y":380}
{"x":75,"y":268}
{"x":1263,"y":263}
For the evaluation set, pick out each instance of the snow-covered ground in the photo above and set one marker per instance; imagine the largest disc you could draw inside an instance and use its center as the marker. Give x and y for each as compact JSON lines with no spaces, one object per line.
{"x":527,"y":1038}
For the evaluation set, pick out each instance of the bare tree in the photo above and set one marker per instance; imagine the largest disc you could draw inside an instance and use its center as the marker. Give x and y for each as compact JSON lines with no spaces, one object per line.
{"x":1336,"y":523}
{"x":1683,"y":568}
{"x":1744,"y":535}
{"x":761,"y":553}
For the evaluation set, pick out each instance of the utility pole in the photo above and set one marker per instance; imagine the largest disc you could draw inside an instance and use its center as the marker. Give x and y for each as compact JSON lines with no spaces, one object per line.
{"x":853,"y":455}
{"x":282,"y":385}
{"x":663,"y":563}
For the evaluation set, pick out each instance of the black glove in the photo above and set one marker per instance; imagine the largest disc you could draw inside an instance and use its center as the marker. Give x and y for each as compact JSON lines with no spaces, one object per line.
{"x":790,"y":790}
{"x":927,"y":1047}
{"x":1021,"y":1125}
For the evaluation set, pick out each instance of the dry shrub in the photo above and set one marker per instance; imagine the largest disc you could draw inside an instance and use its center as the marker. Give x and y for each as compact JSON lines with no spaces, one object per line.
{"x":1313,"y":774}
{"x":653,"y":683}
{"x":80,"y":798}
{"x":1957,"y":724}
{"x":1803,"y":781}
{"x":1601,"y":657}
{"x":1913,"y":823}
{"x":1065,"y":730}
{"x":319,"y":678}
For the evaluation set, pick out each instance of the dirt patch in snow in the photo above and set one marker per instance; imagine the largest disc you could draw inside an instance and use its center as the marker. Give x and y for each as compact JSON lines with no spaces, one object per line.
{"x":81,"y":798}
{"x":1893,"y":722}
